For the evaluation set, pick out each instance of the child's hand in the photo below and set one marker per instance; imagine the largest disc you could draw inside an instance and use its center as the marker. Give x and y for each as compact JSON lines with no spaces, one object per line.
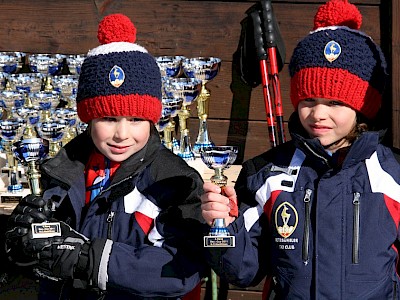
{"x":216,"y":204}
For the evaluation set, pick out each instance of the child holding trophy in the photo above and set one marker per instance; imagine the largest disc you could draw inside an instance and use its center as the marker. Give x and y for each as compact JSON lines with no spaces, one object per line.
{"x":319,"y":215}
{"x":125,"y":210}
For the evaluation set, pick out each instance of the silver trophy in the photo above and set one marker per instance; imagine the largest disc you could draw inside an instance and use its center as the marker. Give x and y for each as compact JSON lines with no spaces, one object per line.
{"x":170,"y":110}
{"x":28,"y":82}
{"x":67,"y":86}
{"x":53,"y":130}
{"x":30,"y":152}
{"x":11,"y":131}
{"x":170,"y":66}
{"x":205,"y":69}
{"x":10,"y":62}
{"x":74,"y":63}
{"x":219,"y":158}
{"x":186,"y":90}
{"x":46,"y":64}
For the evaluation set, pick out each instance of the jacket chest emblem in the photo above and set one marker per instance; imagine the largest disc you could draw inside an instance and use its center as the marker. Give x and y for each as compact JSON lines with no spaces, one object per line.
{"x":286,"y":219}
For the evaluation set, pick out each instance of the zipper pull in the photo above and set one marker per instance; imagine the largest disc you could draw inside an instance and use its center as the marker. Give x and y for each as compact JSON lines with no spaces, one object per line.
{"x":110,"y":217}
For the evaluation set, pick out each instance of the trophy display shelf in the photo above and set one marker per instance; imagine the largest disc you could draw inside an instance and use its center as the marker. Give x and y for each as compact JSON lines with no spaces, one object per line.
{"x":7,"y":207}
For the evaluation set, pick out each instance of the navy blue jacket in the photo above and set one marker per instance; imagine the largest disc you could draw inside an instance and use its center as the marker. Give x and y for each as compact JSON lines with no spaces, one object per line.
{"x":150,"y":217}
{"x":319,"y":227}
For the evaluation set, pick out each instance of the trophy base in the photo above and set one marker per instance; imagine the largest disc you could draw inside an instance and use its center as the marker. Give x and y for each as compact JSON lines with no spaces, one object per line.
{"x":7,"y":197}
{"x":219,"y":241}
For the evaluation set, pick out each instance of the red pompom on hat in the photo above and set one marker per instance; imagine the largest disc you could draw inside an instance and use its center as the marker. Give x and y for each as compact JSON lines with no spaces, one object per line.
{"x":116,"y":28}
{"x":338,"y":13}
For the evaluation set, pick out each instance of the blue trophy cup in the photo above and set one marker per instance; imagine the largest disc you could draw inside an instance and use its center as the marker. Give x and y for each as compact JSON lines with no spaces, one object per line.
{"x":30,"y":152}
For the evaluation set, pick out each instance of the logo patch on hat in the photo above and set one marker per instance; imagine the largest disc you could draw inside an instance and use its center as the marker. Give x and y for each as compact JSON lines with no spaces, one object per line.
{"x":332,"y":51}
{"x":116,"y":76}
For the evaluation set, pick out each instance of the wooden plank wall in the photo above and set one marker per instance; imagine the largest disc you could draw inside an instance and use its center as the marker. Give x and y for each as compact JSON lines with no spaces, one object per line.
{"x":199,"y":28}
{"x":173,"y":27}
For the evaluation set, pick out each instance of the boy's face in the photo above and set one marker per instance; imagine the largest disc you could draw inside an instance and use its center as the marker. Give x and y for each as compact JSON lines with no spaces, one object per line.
{"x":119,"y":137}
{"x":328,"y":120}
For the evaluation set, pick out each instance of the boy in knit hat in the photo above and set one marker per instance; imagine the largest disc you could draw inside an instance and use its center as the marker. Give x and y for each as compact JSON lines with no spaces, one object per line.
{"x":319,"y":215}
{"x":128,"y":208}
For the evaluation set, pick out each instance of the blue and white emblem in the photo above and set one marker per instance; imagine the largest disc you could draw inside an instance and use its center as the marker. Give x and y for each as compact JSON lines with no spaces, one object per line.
{"x":116,"y":76}
{"x":332,"y":51}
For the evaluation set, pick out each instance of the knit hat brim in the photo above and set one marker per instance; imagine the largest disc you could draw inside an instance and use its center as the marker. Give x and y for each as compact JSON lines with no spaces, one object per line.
{"x":120,"y":105}
{"x":335,"y":84}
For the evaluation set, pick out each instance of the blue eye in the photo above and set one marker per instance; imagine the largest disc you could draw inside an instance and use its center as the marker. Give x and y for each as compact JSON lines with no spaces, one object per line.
{"x":336,"y":103}
{"x":109,"y":119}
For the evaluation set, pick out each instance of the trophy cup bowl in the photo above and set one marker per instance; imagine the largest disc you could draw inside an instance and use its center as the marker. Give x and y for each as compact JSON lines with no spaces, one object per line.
{"x":66,"y":85}
{"x":205,"y":69}
{"x":11,"y":100}
{"x":47,"y":101}
{"x":46,"y":64}
{"x":219,"y":158}
{"x":30,"y":152}
{"x":53,"y":130}
{"x":10,"y":62}
{"x":31,"y":116}
{"x":28,"y":82}
{"x":170,"y":66}
{"x":74,"y":63}
{"x":70,"y":115}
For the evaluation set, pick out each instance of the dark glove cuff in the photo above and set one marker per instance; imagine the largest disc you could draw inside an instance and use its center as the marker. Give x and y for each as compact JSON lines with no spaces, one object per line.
{"x":87,"y":268}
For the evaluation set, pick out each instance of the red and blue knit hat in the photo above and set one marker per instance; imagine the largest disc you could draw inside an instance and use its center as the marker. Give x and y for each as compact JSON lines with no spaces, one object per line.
{"x":119,"y":77}
{"x":337,"y":61}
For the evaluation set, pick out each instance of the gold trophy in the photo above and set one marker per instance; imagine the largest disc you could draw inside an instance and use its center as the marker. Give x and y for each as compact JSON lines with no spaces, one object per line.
{"x":205,"y":69}
{"x":187,"y":90}
{"x":31,"y":151}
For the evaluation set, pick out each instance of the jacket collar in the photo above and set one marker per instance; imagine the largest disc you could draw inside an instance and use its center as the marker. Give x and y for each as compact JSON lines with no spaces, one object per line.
{"x":72,"y":158}
{"x":361,"y":149}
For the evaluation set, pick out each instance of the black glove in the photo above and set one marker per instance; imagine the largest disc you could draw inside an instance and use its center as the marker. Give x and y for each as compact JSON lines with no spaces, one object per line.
{"x":69,"y":256}
{"x":31,"y":209}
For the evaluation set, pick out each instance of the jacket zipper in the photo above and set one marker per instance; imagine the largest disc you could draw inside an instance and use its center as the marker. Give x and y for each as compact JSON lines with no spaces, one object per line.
{"x":356,"y":227}
{"x":110,"y":219}
{"x":306,"y":234}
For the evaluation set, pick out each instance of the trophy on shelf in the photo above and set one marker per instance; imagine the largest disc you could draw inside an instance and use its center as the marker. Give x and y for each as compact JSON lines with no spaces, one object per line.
{"x":46,"y":64}
{"x":74,"y":63}
{"x":67,"y":86}
{"x":186,"y":89}
{"x":219,"y":158}
{"x":11,"y":131}
{"x":11,"y":128}
{"x":170,"y":110}
{"x":205,"y":69}
{"x":53,"y":130}
{"x":10,"y":62}
{"x":28,"y":82}
{"x":170,"y":66}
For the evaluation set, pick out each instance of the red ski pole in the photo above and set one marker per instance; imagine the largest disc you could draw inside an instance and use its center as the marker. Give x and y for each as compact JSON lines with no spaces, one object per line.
{"x":262,"y":55}
{"x":272,"y":36}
